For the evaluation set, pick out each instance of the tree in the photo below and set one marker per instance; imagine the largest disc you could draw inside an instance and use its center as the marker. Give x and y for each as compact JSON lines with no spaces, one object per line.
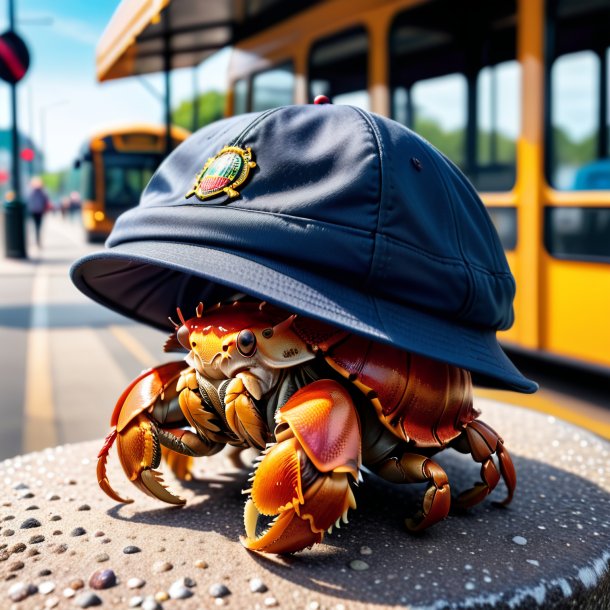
{"x":210,"y":107}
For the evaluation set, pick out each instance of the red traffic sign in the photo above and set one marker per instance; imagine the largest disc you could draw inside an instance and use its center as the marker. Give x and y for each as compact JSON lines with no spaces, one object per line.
{"x":27,"y":154}
{"x":14,"y":57}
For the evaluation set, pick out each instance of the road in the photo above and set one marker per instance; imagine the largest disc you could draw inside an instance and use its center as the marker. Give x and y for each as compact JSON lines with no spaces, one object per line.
{"x":65,"y":359}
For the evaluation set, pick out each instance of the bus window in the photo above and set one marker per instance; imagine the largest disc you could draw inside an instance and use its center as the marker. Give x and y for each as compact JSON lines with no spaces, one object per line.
{"x":125,"y":177}
{"x":574,"y":120}
{"x":439,"y":114}
{"x":577,"y":127}
{"x":83,"y":181}
{"x":273,"y":88}
{"x":338,"y":69}
{"x":498,"y":122}
{"x":578,"y":233}
{"x":240,"y":96}
{"x":505,"y":222}
{"x":454,"y":80}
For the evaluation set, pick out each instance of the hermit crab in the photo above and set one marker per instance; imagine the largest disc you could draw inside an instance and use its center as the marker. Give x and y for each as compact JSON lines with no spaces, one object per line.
{"x":319,"y":403}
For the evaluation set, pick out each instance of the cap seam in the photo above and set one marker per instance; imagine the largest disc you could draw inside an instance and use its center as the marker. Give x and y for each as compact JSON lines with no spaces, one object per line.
{"x":248,"y":128}
{"x":471,"y":284}
{"x":379,"y":147}
{"x":322,"y":223}
{"x":443,"y":259}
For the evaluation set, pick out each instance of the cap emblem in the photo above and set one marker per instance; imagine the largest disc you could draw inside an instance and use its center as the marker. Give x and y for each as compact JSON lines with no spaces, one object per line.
{"x":224,"y":172}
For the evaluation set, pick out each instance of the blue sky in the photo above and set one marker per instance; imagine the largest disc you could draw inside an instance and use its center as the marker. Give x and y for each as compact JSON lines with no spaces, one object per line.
{"x":59,"y":100}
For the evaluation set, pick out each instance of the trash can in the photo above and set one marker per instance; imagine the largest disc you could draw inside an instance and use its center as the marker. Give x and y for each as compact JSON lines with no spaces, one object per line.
{"x":14,"y":228}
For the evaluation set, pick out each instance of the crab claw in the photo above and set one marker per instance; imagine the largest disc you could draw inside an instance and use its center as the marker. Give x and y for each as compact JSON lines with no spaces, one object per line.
{"x":301,"y":487}
{"x":136,"y":435}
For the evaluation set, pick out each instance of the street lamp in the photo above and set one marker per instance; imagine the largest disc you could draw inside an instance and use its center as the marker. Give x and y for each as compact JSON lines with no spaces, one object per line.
{"x":43,"y":115}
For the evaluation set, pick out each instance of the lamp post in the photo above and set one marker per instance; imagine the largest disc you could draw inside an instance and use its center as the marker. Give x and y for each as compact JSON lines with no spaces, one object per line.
{"x":43,"y":126}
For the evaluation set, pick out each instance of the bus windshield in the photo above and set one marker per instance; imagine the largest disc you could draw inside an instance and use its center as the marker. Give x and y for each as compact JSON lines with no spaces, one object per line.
{"x":125,"y":177}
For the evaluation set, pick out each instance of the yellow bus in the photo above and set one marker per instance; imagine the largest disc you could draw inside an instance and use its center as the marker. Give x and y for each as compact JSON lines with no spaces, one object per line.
{"x":515,"y":92}
{"x":112,"y":169}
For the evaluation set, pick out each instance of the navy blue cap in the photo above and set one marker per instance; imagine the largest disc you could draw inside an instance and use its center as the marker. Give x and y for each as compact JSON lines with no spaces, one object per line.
{"x":347,"y":217}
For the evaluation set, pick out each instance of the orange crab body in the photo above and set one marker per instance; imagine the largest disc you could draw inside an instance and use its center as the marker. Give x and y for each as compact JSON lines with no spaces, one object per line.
{"x":320,"y":403}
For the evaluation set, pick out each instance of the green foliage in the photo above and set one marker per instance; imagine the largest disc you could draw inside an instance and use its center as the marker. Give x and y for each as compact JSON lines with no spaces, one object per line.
{"x":505,"y":148}
{"x":567,"y":151}
{"x":210,"y":107}
{"x":55,"y":182}
{"x":452,"y":143}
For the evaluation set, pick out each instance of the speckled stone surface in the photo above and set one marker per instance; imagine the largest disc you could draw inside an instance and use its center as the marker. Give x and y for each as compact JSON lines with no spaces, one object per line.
{"x":550,"y":548}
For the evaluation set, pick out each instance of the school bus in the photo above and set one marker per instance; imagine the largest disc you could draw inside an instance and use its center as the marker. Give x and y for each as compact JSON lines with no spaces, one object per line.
{"x":112,"y":169}
{"x":514,"y":92}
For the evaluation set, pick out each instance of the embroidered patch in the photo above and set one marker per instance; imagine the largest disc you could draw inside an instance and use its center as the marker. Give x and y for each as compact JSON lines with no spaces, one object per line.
{"x":225,"y":172}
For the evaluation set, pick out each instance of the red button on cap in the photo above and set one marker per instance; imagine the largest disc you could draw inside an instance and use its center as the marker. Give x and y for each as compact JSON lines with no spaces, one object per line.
{"x":321,"y":99}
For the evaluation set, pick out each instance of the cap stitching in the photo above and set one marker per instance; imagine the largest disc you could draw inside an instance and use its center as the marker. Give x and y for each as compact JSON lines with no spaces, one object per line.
{"x":470,"y":292}
{"x":456,"y":262}
{"x":323,"y":223}
{"x":378,"y":140}
{"x":248,"y":128}
{"x":132,"y":237}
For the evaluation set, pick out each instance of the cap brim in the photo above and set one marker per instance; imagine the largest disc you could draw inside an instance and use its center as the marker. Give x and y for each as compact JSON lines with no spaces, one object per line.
{"x":147,"y":280}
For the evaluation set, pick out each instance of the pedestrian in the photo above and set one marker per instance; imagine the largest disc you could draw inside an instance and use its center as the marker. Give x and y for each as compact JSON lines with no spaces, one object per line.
{"x":38,"y":203}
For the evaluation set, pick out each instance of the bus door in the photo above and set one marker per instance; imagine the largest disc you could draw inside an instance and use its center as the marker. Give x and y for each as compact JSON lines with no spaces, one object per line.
{"x":576,"y":313}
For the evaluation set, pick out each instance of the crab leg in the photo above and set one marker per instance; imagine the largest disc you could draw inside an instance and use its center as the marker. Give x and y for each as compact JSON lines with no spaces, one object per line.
{"x":136,"y":434}
{"x":303,"y":480}
{"x":481,"y":441}
{"x":413,"y":468}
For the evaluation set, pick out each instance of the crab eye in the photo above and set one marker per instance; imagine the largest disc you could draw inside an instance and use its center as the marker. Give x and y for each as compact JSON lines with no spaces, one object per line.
{"x":246,"y":342}
{"x":183,"y":337}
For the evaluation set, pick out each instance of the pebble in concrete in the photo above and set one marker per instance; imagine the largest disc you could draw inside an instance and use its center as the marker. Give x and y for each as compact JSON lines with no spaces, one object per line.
{"x":78,"y":531}
{"x":130,"y":550}
{"x":87,"y":600}
{"x":18,"y":548}
{"x":219,"y":590}
{"x":358,"y":565}
{"x":69,"y":592}
{"x":150,"y":603}
{"x":46,"y":587}
{"x":30,"y":523}
{"x":257,"y":585}
{"x":135,"y":601}
{"x":161,"y":566}
{"x":179,"y":591}
{"x":20,"y":590}
{"x":102,"y":579}
{"x":135,"y":583}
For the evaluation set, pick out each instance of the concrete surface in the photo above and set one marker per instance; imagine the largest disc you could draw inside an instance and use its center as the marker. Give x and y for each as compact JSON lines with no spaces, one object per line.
{"x":549,"y":549}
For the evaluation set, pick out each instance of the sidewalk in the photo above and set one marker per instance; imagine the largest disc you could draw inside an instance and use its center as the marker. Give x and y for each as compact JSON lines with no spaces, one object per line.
{"x":549,"y":549}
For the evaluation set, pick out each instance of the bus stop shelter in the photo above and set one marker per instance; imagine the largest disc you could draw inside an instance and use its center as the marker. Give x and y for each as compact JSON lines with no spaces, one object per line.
{"x":152,"y":36}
